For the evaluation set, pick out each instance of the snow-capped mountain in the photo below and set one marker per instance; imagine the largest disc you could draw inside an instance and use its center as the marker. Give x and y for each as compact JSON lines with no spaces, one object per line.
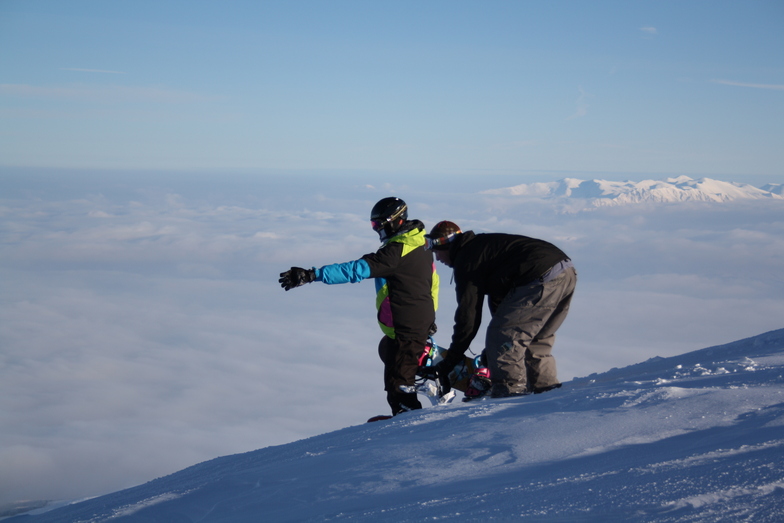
{"x":604,"y":193}
{"x":696,"y":437}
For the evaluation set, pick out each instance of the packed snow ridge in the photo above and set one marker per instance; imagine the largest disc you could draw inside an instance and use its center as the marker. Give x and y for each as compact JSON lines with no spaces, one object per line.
{"x":692,"y":438}
{"x":601,"y":193}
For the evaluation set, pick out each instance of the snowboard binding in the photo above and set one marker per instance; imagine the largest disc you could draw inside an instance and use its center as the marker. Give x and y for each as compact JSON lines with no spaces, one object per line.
{"x":471,"y":376}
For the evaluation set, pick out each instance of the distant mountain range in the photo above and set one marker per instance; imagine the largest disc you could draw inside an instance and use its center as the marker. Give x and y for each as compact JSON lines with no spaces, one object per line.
{"x":602,"y":193}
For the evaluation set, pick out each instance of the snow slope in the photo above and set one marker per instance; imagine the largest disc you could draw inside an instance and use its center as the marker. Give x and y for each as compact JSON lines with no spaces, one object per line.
{"x":696,"y":437}
{"x":601,"y":193}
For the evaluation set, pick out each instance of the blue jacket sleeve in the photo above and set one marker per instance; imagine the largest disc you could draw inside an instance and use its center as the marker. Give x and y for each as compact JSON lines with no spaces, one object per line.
{"x":348,"y":272}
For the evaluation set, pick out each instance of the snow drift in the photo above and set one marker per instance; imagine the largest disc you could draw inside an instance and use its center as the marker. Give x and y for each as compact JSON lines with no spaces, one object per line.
{"x":696,"y":437}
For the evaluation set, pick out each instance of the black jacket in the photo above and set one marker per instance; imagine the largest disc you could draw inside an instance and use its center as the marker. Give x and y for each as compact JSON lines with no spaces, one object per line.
{"x":405,"y":273}
{"x":491,"y":265}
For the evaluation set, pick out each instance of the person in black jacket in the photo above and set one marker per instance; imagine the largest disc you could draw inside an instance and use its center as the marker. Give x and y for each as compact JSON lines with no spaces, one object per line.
{"x":529,"y":285}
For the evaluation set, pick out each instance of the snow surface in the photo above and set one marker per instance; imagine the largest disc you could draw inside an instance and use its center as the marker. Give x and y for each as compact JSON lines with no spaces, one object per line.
{"x":602,"y":193}
{"x":695,"y":437}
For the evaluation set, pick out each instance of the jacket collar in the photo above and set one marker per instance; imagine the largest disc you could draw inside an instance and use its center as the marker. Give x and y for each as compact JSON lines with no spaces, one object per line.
{"x":459,"y":242}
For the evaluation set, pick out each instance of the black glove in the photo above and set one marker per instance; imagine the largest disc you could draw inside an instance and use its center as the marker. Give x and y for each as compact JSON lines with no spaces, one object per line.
{"x":296,"y":277}
{"x":429,"y":373}
{"x":443,"y":368}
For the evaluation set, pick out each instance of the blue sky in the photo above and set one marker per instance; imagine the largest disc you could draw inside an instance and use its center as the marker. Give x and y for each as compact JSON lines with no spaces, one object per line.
{"x":691,"y":88}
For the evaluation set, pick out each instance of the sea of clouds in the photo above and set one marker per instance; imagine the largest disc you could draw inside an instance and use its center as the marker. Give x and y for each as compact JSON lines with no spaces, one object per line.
{"x":143,"y":328}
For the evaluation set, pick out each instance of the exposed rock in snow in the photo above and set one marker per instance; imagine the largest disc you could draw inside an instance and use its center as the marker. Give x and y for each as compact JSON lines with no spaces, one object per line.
{"x":775,"y":188}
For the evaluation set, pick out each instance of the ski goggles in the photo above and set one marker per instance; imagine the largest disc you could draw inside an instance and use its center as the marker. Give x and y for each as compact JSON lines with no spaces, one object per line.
{"x":378,"y":224}
{"x":437,"y":243}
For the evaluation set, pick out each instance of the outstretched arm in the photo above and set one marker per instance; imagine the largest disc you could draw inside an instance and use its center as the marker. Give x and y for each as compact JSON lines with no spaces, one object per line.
{"x":348,"y":272}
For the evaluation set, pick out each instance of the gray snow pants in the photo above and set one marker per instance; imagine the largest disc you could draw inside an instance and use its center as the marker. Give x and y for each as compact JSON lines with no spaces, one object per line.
{"x":521,"y":334}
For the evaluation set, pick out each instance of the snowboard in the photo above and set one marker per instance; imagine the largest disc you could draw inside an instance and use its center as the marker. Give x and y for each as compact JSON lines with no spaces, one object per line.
{"x":380,"y":417}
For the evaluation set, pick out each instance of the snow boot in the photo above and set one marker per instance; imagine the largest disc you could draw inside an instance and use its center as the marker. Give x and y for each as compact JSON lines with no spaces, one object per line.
{"x":500,"y":390}
{"x":539,"y":390}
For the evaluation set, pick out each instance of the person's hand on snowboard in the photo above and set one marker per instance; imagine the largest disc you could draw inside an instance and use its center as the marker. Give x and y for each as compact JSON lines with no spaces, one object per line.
{"x":443,"y":368}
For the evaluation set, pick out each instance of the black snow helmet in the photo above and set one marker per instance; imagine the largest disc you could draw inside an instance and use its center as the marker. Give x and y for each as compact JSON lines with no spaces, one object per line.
{"x":387,"y":216}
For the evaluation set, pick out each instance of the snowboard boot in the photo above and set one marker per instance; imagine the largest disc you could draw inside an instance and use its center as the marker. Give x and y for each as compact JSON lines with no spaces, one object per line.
{"x":539,"y":390}
{"x":501,"y":390}
{"x":403,"y":401}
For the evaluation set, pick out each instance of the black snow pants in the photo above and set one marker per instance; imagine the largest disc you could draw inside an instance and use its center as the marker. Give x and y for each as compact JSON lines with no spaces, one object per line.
{"x":401,"y":360}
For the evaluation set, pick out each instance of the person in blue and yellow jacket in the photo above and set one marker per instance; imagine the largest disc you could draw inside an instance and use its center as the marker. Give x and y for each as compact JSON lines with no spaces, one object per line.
{"x":406,"y":295}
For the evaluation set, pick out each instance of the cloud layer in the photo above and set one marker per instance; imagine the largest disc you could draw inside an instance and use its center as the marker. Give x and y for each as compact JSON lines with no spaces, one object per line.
{"x":143,"y":329}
